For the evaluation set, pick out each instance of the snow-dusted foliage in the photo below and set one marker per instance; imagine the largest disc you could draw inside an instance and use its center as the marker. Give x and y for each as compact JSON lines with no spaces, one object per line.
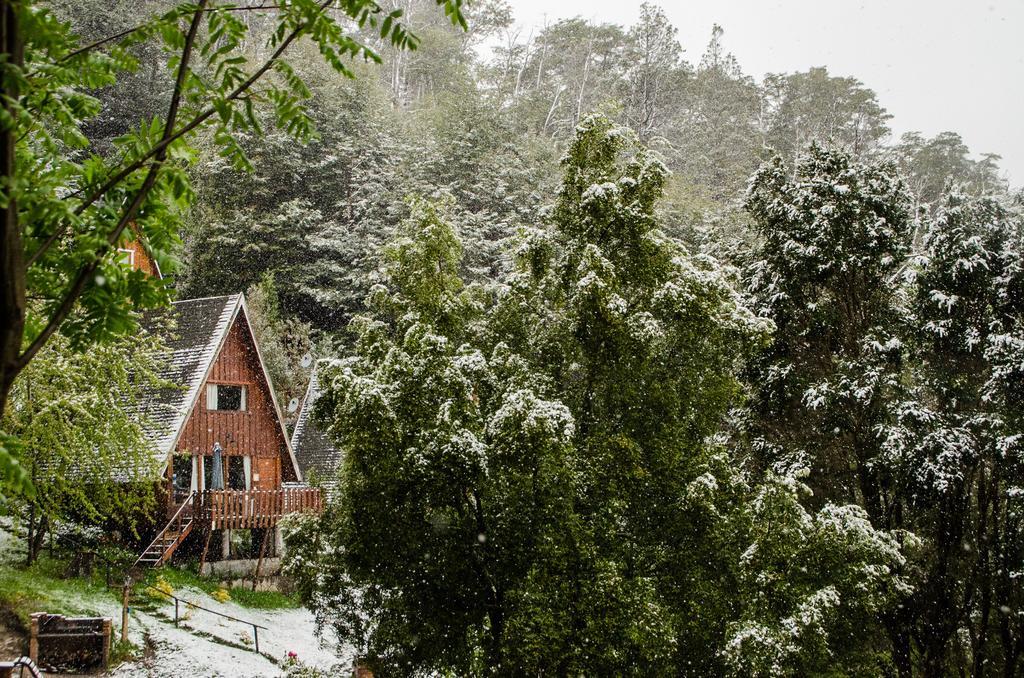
{"x":795,"y":619}
{"x":531,"y":483}
{"x":891,"y":373}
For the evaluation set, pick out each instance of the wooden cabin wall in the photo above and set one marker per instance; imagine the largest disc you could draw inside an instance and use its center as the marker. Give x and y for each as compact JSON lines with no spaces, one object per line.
{"x":254,"y":431}
{"x":142,"y":261}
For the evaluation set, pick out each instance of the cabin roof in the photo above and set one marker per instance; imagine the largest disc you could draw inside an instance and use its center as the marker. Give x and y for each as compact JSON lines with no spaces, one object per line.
{"x":193,"y":332}
{"x":313,"y":447}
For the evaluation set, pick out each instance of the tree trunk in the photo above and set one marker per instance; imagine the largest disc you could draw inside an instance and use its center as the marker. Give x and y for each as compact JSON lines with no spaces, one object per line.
{"x":31,"y":537}
{"x":36,"y":544}
{"x":899,"y":636}
{"x":12,"y":267}
{"x":38,"y":524}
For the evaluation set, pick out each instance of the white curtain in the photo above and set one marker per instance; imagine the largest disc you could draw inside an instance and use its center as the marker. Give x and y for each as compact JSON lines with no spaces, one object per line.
{"x":211,"y":396}
{"x":247,"y":471}
{"x":196,"y":473}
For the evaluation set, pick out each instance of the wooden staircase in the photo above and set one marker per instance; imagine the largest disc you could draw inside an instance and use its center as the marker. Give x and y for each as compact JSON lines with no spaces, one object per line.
{"x":171,"y":537}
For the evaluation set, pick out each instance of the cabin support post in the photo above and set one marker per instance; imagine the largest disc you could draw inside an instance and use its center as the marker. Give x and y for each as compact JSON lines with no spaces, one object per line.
{"x":259,"y":561}
{"x":225,"y":544}
{"x":206,"y":549}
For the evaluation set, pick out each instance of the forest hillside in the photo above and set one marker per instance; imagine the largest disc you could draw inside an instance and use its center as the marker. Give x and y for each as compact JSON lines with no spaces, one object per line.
{"x":635,"y":362}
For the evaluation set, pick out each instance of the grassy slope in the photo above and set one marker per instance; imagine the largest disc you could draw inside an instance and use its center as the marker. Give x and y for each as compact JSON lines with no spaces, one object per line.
{"x":246,"y":597}
{"x":41,"y":587}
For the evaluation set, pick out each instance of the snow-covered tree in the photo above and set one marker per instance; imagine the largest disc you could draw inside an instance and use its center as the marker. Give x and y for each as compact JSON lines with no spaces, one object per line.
{"x":532,"y":480}
{"x":953,"y":446}
{"x":835,"y":239}
{"x":886,"y":376}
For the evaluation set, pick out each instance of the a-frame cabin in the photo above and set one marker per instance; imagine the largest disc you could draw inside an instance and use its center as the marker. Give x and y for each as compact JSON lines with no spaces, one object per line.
{"x":216,"y":430}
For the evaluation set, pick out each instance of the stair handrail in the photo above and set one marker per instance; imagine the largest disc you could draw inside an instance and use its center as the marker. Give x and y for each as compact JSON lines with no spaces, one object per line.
{"x":175,"y":519}
{"x":22,"y":663}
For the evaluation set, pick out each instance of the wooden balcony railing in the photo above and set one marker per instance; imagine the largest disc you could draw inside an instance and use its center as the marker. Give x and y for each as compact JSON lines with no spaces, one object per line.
{"x":243,"y":509}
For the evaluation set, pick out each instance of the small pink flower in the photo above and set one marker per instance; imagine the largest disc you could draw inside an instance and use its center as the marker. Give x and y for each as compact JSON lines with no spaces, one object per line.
{"x":292,"y":655}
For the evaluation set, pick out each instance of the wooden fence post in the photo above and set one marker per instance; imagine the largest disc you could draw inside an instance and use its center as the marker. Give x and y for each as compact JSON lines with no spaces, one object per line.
{"x":107,"y":632}
{"x":33,"y":638}
{"x":125,"y":597}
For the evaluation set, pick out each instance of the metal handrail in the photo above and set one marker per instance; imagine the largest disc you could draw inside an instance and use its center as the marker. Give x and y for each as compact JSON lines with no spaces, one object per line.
{"x":255,"y":627}
{"x":22,"y":663}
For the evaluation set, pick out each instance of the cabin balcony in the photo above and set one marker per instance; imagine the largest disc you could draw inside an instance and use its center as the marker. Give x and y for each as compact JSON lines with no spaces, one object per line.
{"x":245,"y":509}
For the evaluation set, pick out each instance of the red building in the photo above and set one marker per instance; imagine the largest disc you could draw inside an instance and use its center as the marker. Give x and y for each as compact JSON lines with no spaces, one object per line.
{"x":217,"y":402}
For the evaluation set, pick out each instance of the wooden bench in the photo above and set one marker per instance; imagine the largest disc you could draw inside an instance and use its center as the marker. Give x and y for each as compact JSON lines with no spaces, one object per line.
{"x":59,"y":643}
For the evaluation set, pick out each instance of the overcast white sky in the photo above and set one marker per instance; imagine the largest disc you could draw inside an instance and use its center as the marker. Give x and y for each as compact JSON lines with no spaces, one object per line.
{"x":936,"y":65}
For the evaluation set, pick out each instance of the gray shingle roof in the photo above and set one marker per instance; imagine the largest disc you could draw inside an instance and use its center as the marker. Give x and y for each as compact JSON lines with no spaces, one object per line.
{"x":192,"y":331}
{"x":313,"y":448}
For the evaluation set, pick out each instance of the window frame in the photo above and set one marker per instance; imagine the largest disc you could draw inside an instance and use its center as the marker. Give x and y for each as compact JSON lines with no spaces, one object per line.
{"x":130,"y":259}
{"x":213,"y":397}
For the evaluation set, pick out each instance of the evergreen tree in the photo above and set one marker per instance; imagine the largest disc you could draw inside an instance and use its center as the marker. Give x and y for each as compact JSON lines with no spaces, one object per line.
{"x":835,"y":238}
{"x":883,"y":375}
{"x":530,"y":480}
{"x":952,"y":445}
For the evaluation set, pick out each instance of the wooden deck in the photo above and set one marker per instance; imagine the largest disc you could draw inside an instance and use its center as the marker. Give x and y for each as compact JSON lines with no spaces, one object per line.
{"x":243,"y":509}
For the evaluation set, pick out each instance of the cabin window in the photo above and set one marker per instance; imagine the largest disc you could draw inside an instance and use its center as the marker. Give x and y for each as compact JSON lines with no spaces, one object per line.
{"x":208,"y":471}
{"x":225,"y":397}
{"x":182,"y":470}
{"x":127,"y":257}
{"x":237,"y":476}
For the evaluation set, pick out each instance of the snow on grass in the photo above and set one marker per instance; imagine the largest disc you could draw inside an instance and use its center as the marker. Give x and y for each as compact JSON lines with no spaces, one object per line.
{"x":203,"y":645}
{"x":178,"y":652}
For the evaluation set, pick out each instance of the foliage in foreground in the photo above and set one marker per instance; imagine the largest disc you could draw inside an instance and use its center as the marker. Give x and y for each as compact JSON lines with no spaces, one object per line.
{"x":80,"y":437}
{"x":67,"y":208}
{"x":42,"y":586}
{"x":532,"y":482}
